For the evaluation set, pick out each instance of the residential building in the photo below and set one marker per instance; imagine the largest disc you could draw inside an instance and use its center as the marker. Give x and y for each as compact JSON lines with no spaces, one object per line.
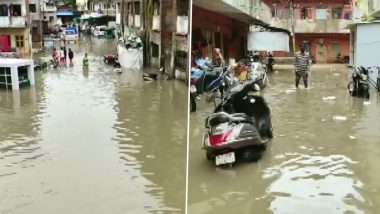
{"x":15,"y":27}
{"x":320,"y":24}
{"x":36,"y":20}
{"x":106,"y":7}
{"x":225,"y":24}
{"x":364,"y":37}
{"x":169,"y":39}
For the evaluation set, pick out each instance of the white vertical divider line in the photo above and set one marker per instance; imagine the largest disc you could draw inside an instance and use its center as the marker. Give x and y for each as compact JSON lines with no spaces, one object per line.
{"x":189,"y":37}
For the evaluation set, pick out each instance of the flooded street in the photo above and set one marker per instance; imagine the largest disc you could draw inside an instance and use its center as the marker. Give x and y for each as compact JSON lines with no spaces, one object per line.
{"x":93,"y":141}
{"x":323,"y":159}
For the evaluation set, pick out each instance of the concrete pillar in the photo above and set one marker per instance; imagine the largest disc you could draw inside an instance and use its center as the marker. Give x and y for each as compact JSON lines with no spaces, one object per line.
{"x":14,"y":77}
{"x":16,"y":102}
{"x":31,"y":73}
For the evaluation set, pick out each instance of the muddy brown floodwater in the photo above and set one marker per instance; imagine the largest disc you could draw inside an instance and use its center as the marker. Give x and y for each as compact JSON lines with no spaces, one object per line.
{"x":93,"y":141}
{"x":324,"y":158}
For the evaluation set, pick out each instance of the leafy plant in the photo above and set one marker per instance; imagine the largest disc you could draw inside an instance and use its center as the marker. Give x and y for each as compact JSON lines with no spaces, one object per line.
{"x":70,"y":2}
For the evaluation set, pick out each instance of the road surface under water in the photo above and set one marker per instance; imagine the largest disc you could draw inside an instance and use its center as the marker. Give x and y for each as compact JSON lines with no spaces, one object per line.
{"x":93,"y":141}
{"x":324,"y":157}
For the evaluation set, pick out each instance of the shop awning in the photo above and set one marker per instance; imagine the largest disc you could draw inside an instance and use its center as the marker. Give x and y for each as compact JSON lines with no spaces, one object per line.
{"x":65,"y":13}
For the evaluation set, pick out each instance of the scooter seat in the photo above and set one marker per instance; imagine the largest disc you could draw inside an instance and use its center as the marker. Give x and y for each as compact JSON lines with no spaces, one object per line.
{"x":223,"y":117}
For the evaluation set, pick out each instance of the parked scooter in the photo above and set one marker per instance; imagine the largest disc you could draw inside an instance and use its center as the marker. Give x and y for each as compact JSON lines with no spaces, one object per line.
{"x":239,"y":128}
{"x":257,"y":71}
{"x":359,"y":86}
{"x":206,"y":74}
{"x":110,"y":59}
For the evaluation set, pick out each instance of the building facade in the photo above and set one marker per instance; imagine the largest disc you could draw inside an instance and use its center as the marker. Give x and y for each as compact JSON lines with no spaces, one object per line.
{"x":319,"y":24}
{"x":225,"y":24}
{"x":15,"y":27}
{"x":168,"y":34}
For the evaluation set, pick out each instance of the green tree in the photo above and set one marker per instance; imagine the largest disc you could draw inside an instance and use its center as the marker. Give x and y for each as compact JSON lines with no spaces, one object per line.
{"x":70,"y":2}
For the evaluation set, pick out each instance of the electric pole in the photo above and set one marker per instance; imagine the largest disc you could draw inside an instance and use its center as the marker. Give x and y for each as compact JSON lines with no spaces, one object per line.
{"x":293,"y":21}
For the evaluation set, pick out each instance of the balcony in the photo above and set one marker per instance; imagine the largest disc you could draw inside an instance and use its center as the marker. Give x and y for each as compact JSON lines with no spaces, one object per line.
{"x":312,"y":25}
{"x":49,"y":8}
{"x":156,"y":23}
{"x":12,"y":22}
{"x":118,"y":18}
{"x":182,"y":25}
{"x":137,"y":20}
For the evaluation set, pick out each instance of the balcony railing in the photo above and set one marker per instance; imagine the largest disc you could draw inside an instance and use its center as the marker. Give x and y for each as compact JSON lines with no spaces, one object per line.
{"x":182,"y":25}
{"x":137,"y":20}
{"x":312,"y":25}
{"x":48,"y":8}
{"x":118,"y":18}
{"x":156,"y":22}
{"x":12,"y":22}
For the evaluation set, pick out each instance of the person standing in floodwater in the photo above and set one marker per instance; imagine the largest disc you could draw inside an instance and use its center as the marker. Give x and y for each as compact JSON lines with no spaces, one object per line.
{"x":302,"y":65}
{"x":270,"y":62}
{"x":85,"y":60}
{"x":71,"y":55}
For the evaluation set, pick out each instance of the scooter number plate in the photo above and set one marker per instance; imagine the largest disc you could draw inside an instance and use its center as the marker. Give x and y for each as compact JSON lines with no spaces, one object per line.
{"x":225,"y":158}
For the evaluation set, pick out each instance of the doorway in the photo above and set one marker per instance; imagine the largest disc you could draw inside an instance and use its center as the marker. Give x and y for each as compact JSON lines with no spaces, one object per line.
{"x":321,"y":53}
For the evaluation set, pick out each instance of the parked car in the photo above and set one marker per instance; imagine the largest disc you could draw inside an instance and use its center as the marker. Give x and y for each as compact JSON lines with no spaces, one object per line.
{"x":71,"y":34}
{"x":100,"y":31}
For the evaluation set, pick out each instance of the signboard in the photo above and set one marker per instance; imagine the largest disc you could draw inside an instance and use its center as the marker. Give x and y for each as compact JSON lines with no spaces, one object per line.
{"x":268,"y":41}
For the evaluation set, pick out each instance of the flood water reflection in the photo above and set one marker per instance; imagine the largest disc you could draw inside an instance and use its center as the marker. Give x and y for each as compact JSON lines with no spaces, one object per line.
{"x":93,"y":141}
{"x":323,"y":158}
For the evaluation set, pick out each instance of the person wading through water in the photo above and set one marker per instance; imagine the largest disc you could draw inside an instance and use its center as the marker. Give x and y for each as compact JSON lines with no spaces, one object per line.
{"x":302,"y":65}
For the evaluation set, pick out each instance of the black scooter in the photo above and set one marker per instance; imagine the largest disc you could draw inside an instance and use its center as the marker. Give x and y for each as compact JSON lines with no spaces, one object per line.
{"x":359,"y":86}
{"x":239,"y":128}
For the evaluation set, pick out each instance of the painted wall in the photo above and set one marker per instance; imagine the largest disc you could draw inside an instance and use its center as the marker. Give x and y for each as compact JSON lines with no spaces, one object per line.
{"x":367,"y":45}
{"x":13,"y":32}
{"x":311,"y":24}
{"x":232,"y":33}
{"x":328,"y":41}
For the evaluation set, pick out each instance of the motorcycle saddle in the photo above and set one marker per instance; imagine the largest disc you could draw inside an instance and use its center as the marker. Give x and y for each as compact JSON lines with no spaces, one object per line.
{"x":223,"y":117}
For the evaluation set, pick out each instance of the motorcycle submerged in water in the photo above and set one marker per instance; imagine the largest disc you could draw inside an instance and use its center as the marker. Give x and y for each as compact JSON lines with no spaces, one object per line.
{"x":359,"y":86}
{"x":240,"y":127}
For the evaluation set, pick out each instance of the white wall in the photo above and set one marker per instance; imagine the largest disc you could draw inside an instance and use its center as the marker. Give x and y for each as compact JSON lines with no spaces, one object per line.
{"x":367,"y":44}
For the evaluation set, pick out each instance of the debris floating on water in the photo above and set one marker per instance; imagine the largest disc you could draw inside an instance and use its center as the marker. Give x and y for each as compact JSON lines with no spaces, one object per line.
{"x":352,"y":137}
{"x":366,"y":103}
{"x":329,"y":98}
{"x":336,"y":74}
{"x":340,"y":118}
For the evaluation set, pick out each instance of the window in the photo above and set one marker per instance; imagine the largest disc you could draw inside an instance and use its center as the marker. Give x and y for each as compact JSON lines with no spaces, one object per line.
{"x":155,"y":49}
{"x":336,"y":13}
{"x":137,"y":8}
{"x":51,"y":18}
{"x":3,"y":10}
{"x":156,"y":6}
{"x":32,"y":8}
{"x":19,"y":41}
{"x":16,"y":10}
{"x":321,"y":13}
{"x":182,"y":7}
{"x":306,"y":13}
